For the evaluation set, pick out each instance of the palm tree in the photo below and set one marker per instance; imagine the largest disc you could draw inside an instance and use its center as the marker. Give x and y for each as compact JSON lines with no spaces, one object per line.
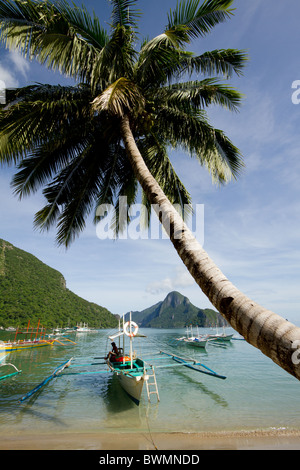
{"x":91,"y":143}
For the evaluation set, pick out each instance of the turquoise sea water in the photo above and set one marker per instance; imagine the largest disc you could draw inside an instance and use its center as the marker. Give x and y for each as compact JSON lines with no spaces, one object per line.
{"x":256,"y":394}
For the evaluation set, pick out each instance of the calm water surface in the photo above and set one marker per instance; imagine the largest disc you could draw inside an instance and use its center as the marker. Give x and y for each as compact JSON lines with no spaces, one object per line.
{"x":257,"y":394}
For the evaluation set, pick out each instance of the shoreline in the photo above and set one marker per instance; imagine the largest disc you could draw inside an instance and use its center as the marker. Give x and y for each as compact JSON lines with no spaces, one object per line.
{"x":156,"y":441}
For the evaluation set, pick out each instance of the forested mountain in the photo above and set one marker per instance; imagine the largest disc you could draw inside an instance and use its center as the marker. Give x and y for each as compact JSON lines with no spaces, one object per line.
{"x":31,"y":290}
{"x":176,"y":311}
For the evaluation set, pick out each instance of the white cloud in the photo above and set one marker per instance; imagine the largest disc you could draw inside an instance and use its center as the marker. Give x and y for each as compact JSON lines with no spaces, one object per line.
{"x":181,"y":279}
{"x":8,"y":77}
{"x":21,"y":65}
{"x":13,"y":67}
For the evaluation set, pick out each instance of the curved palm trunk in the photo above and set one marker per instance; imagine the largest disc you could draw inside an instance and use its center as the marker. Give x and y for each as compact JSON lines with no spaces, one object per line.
{"x":275,"y":337}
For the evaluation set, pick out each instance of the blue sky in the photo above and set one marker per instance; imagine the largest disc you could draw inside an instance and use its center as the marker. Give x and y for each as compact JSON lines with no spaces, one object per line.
{"x":251,"y":226}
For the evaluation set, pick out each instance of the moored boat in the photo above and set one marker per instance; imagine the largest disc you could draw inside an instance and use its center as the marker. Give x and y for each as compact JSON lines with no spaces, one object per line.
{"x":199,"y":341}
{"x":23,"y":344}
{"x":220,"y":336}
{"x":36,"y":339}
{"x":129,"y":369}
{"x":132,"y":372}
{"x":33,"y":339}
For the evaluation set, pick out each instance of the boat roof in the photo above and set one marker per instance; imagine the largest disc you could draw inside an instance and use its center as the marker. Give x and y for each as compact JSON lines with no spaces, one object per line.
{"x":121,"y":333}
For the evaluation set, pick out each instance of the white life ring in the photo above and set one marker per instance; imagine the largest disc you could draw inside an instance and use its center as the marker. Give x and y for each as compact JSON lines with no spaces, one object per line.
{"x":128,"y":328}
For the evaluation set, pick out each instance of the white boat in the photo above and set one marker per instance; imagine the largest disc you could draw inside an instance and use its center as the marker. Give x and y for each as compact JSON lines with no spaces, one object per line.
{"x":220,"y":336}
{"x":198,"y":341}
{"x":129,"y":369}
{"x":83,"y":329}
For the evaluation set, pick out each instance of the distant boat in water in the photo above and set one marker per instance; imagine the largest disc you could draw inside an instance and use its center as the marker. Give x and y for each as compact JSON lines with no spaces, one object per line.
{"x":83,"y":329}
{"x":24,"y":344}
{"x":220,"y":336}
{"x":36,"y":339}
{"x":33,"y":339}
{"x":199,"y":341}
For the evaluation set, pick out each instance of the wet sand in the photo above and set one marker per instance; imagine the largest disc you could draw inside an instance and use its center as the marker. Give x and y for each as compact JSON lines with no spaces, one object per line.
{"x":246,"y":440}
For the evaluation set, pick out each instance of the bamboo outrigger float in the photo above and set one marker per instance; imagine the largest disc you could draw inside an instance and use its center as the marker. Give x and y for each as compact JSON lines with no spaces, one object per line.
{"x":131,"y":371}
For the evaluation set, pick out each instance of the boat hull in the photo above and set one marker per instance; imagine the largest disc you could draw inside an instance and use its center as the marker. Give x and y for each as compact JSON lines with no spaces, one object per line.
{"x":22,"y":346}
{"x":220,"y":337}
{"x":133,"y":386}
{"x":131,"y":377}
{"x":198,"y":344}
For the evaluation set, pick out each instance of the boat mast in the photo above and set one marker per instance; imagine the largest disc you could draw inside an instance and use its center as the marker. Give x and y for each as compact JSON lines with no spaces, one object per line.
{"x":119,"y":332}
{"x":130,"y":341}
{"x":123,"y":342}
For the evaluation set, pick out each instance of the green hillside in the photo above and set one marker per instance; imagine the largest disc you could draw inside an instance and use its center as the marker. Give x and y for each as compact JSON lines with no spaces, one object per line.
{"x":176,"y":311}
{"x":31,"y":290}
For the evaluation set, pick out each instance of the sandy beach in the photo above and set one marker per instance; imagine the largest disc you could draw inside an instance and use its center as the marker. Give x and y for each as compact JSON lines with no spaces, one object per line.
{"x":246,"y":440}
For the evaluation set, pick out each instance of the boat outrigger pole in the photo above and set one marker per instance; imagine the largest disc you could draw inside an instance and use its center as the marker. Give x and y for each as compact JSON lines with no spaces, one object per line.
{"x":191,"y":363}
{"x":52,"y":376}
{"x":3,"y":377}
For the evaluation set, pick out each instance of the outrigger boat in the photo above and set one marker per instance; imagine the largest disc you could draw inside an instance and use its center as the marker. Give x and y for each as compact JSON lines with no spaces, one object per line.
{"x":37,"y":339}
{"x":190,"y":339}
{"x":131,"y":371}
{"x":83,"y":329}
{"x":220,"y":336}
{"x":23,"y":344}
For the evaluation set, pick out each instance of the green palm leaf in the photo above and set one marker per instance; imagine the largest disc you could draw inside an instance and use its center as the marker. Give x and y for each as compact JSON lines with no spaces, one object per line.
{"x":63,"y":38}
{"x":68,"y":141}
{"x":200,"y":95}
{"x":121,"y":97}
{"x":218,"y":62}
{"x":199,"y":19}
{"x":123,"y":14}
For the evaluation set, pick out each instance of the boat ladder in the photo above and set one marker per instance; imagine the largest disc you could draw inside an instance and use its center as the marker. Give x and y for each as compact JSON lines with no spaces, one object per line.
{"x":152,"y":384}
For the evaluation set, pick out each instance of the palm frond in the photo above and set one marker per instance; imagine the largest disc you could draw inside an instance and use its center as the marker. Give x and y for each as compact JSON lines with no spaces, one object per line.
{"x":47,"y":160}
{"x":72,"y":194}
{"x":125,"y":199}
{"x":86,"y":26}
{"x":123,"y":13}
{"x":222,"y":158}
{"x":217,"y":62}
{"x":119,"y":98}
{"x":116,"y":59}
{"x":62,"y":38}
{"x":200,"y":95}
{"x":192,"y":132}
{"x":199,"y":19}
{"x":158,"y":58}
{"x":155,"y":153}
{"x":38,"y":113}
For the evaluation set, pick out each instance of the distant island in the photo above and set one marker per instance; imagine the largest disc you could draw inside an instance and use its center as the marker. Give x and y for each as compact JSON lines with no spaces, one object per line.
{"x":31,"y":290}
{"x":176,"y":311}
